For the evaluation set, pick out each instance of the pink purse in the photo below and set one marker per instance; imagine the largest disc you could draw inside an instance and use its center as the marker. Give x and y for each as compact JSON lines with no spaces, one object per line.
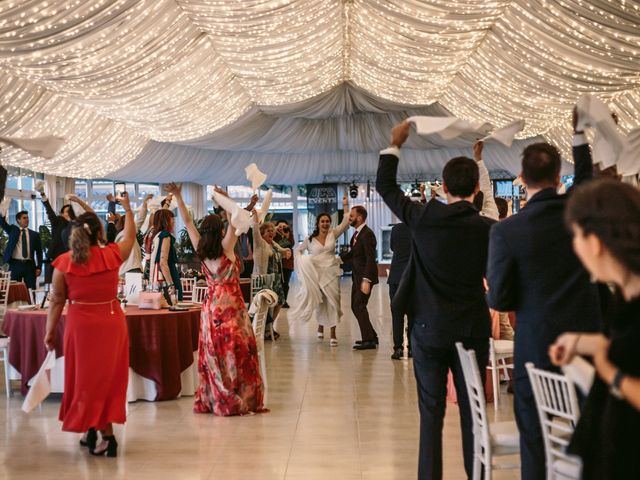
{"x":150,"y":301}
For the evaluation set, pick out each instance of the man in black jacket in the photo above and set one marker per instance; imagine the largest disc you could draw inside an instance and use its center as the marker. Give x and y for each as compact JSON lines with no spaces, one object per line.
{"x":533,"y":271}
{"x":362,"y":256}
{"x":400,"y":244}
{"x":443,"y":287}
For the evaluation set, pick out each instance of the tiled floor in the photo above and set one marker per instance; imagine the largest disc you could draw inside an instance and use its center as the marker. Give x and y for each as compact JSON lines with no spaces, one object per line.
{"x":335,"y":415}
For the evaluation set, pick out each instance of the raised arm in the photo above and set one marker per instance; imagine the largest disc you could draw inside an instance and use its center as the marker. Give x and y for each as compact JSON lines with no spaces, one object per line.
{"x":4,"y":225}
{"x":143,"y":209}
{"x":82,"y":203}
{"x":387,"y":186}
{"x":489,"y":207}
{"x":51,"y":214}
{"x":344,"y":225}
{"x":175,"y":190}
{"x":250,"y":206}
{"x":583,"y":162}
{"x":129,"y":231}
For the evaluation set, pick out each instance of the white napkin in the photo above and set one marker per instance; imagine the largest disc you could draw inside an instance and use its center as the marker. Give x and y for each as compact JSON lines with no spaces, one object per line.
{"x":269,"y":295}
{"x":448,"y":128}
{"x":39,"y":187}
{"x":45,"y":147}
{"x":629,"y":159}
{"x":581,"y":373}
{"x":41,"y":384}
{"x":255,"y":176}
{"x":266,"y":204}
{"x":240,"y":218}
{"x":506,"y":134}
{"x":608,"y":143}
{"x":77,"y":209}
{"x":155,"y":203}
{"x":4,"y":206}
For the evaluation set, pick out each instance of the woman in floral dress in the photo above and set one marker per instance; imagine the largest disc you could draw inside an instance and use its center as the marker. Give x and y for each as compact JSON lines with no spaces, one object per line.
{"x":230,"y":381}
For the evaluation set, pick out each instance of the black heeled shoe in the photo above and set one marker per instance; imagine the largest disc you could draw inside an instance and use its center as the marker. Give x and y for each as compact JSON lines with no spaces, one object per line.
{"x":90,"y":439}
{"x":111,"y":449}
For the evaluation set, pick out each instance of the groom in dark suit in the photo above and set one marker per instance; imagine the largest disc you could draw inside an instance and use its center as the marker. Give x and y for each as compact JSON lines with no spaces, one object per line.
{"x":23,"y":248}
{"x":362,"y":257}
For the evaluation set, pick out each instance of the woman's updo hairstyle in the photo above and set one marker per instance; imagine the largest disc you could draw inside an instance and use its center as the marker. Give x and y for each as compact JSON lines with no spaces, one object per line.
{"x":86,"y":232}
{"x":610,"y":210}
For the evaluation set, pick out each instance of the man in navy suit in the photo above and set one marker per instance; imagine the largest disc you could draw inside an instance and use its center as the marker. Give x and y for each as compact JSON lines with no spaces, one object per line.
{"x":533,"y":271}
{"x":24,"y":250}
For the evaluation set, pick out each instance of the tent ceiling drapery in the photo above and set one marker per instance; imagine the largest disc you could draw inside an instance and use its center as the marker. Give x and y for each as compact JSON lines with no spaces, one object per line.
{"x":196,"y":89}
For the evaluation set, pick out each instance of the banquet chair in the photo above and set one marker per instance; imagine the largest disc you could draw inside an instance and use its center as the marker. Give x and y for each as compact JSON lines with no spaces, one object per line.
{"x":489,"y":440}
{"x":187,"y":288}
{"x":198,"y":294}
{"x":558,"y":411}
{"x":259,"y":283}
{"x":4,"y":356}
{"x":499,"y":352}
{"x":259,"y":308}
{"x":5,"y":283}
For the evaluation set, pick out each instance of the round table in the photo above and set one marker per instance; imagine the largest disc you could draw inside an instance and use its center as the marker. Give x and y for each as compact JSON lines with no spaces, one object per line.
{"x":162,"y":344}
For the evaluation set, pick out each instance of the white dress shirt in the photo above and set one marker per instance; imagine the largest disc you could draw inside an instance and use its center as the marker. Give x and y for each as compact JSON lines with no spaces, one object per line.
{"x":17,"y":252}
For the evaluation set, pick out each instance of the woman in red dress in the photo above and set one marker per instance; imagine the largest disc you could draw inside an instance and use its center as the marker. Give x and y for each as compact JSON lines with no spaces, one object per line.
{"x":230,"y":381}
{"x":96,"y":341}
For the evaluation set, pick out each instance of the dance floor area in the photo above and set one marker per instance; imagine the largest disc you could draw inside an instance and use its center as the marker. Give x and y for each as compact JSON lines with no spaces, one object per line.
{"x":335,"y":414}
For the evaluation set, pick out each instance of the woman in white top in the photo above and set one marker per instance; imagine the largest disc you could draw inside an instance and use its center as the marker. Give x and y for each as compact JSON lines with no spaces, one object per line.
{"x":319,"y":274}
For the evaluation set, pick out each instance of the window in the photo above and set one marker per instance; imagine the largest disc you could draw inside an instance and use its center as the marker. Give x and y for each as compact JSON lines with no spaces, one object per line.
{"x":101,"y":188}
{"x":81,"y":189}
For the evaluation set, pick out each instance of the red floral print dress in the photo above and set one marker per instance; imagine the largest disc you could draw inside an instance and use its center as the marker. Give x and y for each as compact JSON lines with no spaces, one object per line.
{"x":230,"y":381}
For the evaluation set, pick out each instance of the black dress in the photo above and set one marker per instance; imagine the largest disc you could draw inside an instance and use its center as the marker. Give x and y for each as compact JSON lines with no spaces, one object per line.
{"x":607,"y":437}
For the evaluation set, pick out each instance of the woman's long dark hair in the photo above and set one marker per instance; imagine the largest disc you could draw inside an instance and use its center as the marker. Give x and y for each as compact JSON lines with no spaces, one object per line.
{"x":210,"y":246}
{"x":610,"y":210}
{"x":316,"y":231}
{"x":162,"y":221}
{"x":86,"y":232}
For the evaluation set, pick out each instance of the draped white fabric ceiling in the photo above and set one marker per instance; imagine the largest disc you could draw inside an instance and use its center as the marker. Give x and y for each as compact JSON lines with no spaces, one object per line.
{"x":197,"y":89}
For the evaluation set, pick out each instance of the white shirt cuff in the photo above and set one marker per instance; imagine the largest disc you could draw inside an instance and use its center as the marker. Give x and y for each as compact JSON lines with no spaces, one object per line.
{"x":579,"y":139}
{"x":391,"y":151}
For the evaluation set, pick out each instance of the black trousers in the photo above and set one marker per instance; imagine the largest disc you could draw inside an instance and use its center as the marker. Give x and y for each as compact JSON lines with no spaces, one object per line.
{"x":248,"y":269}
{"x":23,"y":271}
{"x":431,"y":365}
{"x":397,"y":321}
{"x":286,"y":273}
{"x":359,"y":308}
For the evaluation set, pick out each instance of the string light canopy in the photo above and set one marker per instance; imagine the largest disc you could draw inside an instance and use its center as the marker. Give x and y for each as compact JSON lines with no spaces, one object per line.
{"x":115,"y":77}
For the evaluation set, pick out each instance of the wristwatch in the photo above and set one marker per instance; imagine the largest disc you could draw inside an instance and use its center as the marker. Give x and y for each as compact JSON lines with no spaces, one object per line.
{"x":614,"y":389}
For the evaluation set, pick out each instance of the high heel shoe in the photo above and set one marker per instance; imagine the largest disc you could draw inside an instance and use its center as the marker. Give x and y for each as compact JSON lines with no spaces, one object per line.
{"x":333,"y":342}
{"x":90,"y":439}
{"x":111,"y":449}
{"x":320,"y":335}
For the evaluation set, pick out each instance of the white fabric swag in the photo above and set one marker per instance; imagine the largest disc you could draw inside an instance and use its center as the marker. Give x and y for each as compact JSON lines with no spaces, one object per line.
{"x":211,"y":86}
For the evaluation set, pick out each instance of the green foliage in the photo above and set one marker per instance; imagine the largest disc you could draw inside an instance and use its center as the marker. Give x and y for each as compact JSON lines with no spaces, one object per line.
{"x":184,"y":248}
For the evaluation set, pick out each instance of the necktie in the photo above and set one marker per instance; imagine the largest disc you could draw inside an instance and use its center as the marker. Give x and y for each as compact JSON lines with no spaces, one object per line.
{"x":354,"y":238}
{"x":25,"y":250}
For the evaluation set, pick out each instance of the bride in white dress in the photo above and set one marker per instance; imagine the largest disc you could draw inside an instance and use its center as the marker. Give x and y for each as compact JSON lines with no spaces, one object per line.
{"x":319,"y":274}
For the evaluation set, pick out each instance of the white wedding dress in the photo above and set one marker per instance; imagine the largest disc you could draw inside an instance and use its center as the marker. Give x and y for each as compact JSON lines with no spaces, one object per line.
{"x":319,"y":276}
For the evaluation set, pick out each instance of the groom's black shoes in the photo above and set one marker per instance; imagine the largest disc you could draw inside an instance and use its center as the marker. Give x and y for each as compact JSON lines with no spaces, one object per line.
{"x":365,"y":345}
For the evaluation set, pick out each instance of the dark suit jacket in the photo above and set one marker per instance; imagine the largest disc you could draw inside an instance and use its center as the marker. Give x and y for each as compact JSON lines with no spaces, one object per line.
{"x":58,"y":224}
{"x":443,"y":284}
{"x":35,"y":247}
{"x":533,"y":271}
{"x":362,"y":257}
{"x":400,"y":244}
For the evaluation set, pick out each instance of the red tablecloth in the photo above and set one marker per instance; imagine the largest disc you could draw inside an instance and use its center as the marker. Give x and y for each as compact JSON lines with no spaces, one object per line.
{"x":162,"y":343}
{"x":18,"y":292}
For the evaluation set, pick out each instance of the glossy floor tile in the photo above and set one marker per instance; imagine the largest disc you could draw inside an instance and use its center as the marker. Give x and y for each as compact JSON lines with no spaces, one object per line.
{"x":335,"y":414}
